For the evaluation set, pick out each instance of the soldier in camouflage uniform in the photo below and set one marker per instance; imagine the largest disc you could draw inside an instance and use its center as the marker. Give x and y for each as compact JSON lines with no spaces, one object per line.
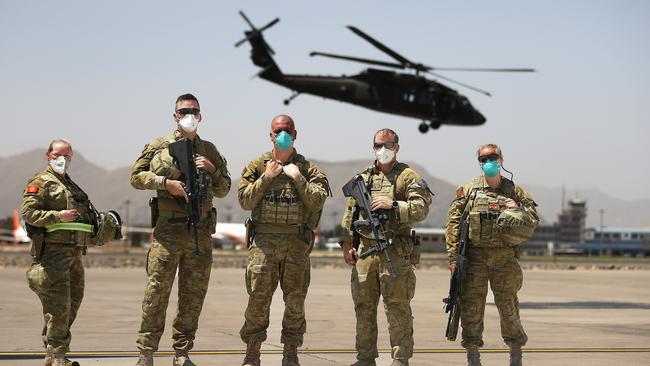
{"x":400,"y":190}
{"x":501,"y":216}
{"x":58,"y":218}
{"x":174,"y":244}
{"x":285,"y":193}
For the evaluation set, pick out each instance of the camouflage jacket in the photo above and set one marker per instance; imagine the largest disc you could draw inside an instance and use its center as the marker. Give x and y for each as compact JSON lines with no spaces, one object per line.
{"x":46,"y":195}
{"x":483,"y":229}
{"x":155,"y":165}
{"x":401,"y":184}
{"x":289,"y":202}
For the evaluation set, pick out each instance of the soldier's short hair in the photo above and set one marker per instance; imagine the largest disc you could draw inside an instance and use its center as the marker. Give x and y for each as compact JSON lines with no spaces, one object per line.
{"x":186,"y":96}
{"x":58,"y":141}
{"x":489,"y":146}
{"x":386,"y":131}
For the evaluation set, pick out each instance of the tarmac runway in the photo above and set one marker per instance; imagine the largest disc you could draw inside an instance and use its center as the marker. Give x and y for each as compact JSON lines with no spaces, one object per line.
{"x":572,"y":317}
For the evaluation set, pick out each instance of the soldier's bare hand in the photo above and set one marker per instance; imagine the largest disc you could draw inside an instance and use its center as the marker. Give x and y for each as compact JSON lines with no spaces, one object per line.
{"x":176,"y":188}
{"x":69,"y":215}
{"x":381,"y":202}
{"x":273,"y":169}
{"x":349,"y":253}
{"x":510,"y":203}
{"x":292,"y":171}
{"x":204,"y":163}
{"x":452,"y":267}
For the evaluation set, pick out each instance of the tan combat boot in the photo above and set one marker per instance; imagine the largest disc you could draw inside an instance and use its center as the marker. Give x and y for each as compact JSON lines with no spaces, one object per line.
{"x":252,"y":354}
{"x":365,"y":363}
{"x":397,"y":362}
{"x":515,"y":356}
{"x":290,"y":355}
{"x":60,"y":360}
{"x":182,"y":358}
{"x":145,"y":358}
{"x":473,"y":357}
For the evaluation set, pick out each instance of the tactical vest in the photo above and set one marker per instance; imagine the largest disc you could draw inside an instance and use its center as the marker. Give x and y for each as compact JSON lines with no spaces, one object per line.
{"x":281,"y":205}
{"x":484,"y":209}
{"x":162,"y":164}
{"x":72,"y":197}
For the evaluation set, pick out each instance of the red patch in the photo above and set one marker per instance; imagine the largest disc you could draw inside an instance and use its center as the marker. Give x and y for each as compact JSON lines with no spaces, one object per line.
{"x":494,"y":206}
{"x":32,"y":189}
{"x":459,"y":193}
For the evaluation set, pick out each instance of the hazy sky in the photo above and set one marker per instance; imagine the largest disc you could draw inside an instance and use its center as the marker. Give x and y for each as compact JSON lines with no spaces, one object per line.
{"x":105,"y":75}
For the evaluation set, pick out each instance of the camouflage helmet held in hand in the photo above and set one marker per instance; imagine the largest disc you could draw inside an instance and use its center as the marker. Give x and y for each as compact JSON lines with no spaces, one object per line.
{"x":516,"y":226}
{"x":109,"y":227}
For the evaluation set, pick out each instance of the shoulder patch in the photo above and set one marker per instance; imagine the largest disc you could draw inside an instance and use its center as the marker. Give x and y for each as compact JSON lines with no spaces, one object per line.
{"x":31,"y":190}
{"x":459,"y":192}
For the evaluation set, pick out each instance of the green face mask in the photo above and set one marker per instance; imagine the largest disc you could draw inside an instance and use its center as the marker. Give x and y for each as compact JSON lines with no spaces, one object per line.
{"x":283,"y":141}
{"x":491,"y":168}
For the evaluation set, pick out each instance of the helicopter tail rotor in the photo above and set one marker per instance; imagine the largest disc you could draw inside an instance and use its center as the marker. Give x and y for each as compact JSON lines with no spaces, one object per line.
{"x":255,"y":32}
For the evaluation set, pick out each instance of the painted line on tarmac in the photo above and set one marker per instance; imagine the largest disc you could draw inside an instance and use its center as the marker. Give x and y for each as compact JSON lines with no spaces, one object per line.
{"x":110,"y":354}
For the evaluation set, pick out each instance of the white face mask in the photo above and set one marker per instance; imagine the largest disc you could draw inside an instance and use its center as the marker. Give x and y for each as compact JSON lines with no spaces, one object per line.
{"x":188,"y":123}
{"x":59,"y":165}
{"x":384,"y":155}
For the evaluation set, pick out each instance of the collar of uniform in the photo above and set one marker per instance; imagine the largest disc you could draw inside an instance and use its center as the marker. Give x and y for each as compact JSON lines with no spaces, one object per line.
{"x":178,"y":135}
{"x":505,"y":185}
{"x":375,"y":169}
{"x":292,"y":159}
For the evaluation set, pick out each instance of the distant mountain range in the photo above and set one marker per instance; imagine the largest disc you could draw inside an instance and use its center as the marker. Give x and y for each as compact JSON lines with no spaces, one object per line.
{"x":110,"y":189}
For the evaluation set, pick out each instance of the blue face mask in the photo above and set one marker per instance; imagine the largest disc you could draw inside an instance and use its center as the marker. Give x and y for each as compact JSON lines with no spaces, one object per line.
{"x":283,"y":141}
{"x":491,"y":168}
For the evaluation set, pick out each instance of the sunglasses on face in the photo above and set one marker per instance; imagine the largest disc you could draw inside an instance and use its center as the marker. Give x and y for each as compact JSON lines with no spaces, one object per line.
{"x":388,"y":145}
{"x":185,"y":111}
{"x":279,"y":131}
{"x":485,"y":158}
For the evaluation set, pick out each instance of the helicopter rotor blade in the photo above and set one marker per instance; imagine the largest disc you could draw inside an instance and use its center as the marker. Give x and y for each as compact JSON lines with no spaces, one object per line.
{"x":403,"y":60}
{"x":481,"y":69}
{"x":271,"y":23}
{"x":247,"y":20}
{"x":358,"y":59}
{"x":459,"y":83}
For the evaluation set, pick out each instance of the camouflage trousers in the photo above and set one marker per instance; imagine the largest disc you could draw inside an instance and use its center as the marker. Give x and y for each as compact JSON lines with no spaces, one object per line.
{"x":174,"y":248}
{"x":500,"y":267}
{"x":58,"y":280}
{"x":370,"y":279}
{"x":274,"y":258}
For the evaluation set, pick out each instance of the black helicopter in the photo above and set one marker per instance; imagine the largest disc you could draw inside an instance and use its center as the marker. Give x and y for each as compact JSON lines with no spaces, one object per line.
{"x":404,"y":94}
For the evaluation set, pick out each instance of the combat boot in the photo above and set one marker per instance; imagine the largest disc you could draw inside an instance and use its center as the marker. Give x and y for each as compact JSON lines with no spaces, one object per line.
{"x":252,"y":354}
{"x":60,"y":360}
{"x":397,"y":362}
{"x":145,"y":359}
{"x":182,"y":358}
{"x":290,"y":355}
{"x":515,"y":356}
{"x":365,"y":363}
{"x":473,"y":357}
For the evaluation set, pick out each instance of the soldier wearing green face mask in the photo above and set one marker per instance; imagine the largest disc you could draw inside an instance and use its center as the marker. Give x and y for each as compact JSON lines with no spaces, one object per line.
{"x":285,"y":193}
{"x":501,"y":216}
{"x":404,"y":196}
{"x":59,"y":221}
{"x":175,"y":245}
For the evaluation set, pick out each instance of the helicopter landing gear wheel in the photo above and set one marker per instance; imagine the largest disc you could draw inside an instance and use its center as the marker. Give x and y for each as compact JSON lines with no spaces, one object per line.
{"x":434,"y":124}
{"x":423,"y":127}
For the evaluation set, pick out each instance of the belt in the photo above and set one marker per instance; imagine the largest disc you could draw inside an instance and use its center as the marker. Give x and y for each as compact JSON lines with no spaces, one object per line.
{"x":278,"y":229}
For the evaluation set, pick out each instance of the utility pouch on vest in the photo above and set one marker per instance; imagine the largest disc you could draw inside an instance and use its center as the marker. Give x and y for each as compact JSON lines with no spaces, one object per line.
{"x":153,"y":206}
{"x":417,"y":249}
{"x":37,"y":234}
{"x":250,"y":232}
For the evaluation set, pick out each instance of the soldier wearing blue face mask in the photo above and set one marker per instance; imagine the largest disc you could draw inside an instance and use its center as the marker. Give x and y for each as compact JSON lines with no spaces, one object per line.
{"x":285,"y":194}
{"x":501,"y":216}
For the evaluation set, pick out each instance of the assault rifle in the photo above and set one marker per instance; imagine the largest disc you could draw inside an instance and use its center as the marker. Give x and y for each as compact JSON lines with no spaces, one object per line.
{"x":457,"y":279}
{"x":195,"y":185}
{"x":357,"y":189}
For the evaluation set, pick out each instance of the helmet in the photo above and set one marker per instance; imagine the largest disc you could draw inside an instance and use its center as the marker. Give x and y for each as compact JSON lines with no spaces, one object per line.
{"x":516,"y":226}
{"x":109,"y":227}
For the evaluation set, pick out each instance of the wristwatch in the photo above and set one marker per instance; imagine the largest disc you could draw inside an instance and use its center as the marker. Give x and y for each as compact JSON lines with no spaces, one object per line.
{"x":395,"y":204}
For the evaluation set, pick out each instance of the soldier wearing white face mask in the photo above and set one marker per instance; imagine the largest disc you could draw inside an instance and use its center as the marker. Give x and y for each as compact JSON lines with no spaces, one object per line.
{"x":174,"y":245}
